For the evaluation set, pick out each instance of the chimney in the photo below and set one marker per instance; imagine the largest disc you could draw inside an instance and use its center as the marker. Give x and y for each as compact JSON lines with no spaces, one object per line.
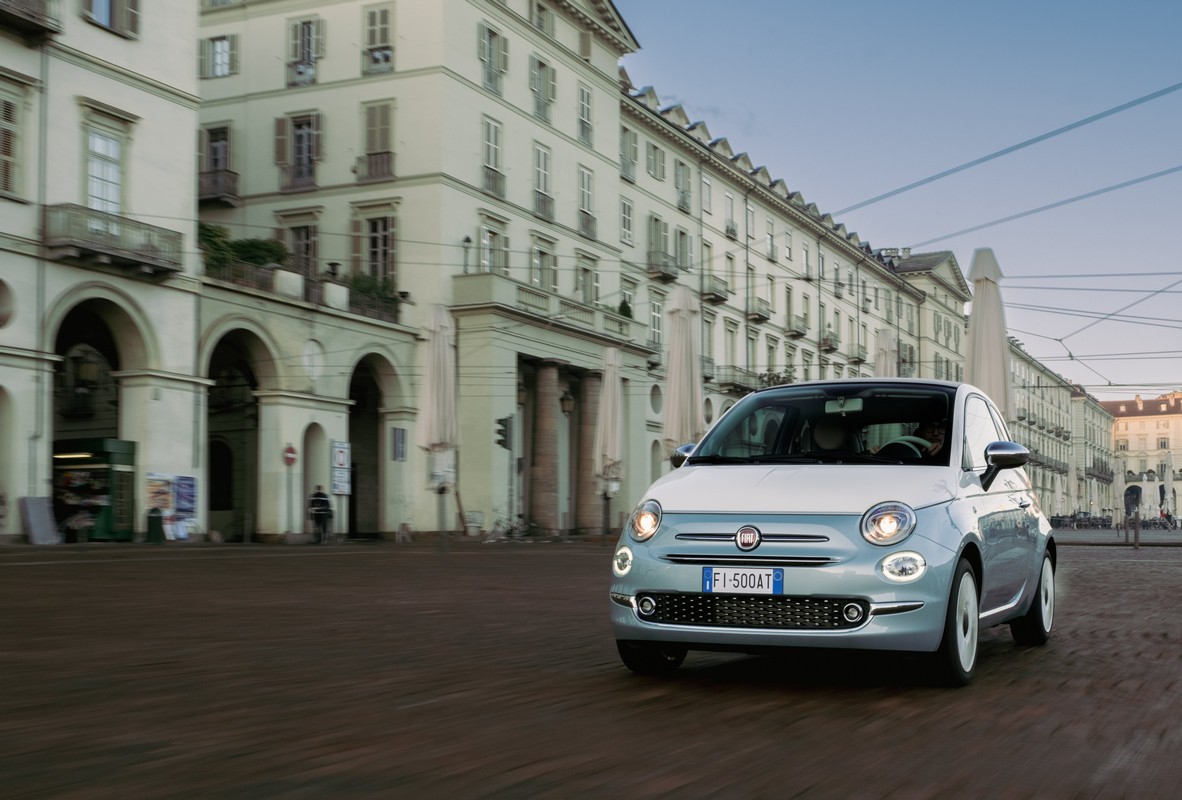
{"x":1140,"y":402}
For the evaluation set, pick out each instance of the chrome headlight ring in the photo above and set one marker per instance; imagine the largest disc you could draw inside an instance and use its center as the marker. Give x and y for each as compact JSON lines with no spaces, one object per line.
{"x":646,"y":520}
{"x":888,"y":523}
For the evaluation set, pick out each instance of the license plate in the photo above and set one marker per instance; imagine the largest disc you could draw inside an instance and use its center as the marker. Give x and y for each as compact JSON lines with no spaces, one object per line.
{"x":737,"y":580}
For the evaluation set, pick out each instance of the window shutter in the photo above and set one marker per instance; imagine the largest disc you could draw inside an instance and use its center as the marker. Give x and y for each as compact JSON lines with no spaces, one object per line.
{"x":505,"y":254}
{"x":391,"y":241}
{"x":316,"y":137}
{"x":535,"y":78}
{"x":371,"y":124}
{"x":281,"y":124}
{"x":585,"y":45}
{"x":88,"y":7}
{"x":203,"y":52}
{"x":504,"y":54}
{"x":293,"y":42}
{"x":357,"y":244}
{"x":233,"y":38}
{"x":202,"y":149}
{"x":318,"y":37}
{"x":384,"y":113}
{"x":131,"y":17}
{"x":551,"y":82}
{"x":482,"y":42}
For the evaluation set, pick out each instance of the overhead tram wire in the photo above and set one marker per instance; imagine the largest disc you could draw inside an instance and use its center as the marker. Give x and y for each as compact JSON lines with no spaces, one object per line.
{"x":1013,"y":148}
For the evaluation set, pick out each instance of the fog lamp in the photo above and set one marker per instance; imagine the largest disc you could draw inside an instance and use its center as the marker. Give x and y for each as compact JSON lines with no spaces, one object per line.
{"x":622,"y":562}
{"x":904,"y":567}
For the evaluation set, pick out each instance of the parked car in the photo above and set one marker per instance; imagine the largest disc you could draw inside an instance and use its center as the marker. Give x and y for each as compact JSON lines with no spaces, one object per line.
{"x":882,"y":514}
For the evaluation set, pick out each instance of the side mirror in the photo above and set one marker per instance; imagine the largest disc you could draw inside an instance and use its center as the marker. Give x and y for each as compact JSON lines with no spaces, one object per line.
{"x":1002,"y":455}
{"x":678,"y":456}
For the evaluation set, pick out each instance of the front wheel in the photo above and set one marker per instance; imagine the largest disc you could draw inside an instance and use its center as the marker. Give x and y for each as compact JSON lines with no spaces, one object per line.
{"x":1034,"y":627}
{"x":650,"y":659}
{"x":957,"y":657}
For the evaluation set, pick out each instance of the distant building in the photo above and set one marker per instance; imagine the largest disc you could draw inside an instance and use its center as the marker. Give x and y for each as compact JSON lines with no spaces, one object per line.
{"x":1147,"y":439}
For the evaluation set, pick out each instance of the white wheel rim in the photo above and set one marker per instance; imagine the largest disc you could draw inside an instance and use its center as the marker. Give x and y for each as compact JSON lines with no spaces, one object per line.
{"x":967,"y":620}
{"x":1047,"y":595}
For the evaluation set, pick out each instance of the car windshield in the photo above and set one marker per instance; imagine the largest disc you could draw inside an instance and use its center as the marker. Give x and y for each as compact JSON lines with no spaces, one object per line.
{"x":837,"y":423}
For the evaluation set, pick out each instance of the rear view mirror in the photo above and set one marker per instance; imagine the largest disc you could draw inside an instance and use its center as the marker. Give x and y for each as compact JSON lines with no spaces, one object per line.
{"x":678,"y":456}
{"x":843,"y":405}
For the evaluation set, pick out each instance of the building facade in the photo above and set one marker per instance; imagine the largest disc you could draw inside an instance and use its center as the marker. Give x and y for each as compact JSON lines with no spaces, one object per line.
{"x":1147,"y":439}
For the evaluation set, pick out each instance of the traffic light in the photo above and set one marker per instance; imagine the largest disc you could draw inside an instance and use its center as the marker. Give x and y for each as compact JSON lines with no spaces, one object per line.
{"x":505,"y":432}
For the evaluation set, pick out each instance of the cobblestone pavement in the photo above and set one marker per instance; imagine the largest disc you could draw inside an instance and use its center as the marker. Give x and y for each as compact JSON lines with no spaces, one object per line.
{"x":488,"y":671}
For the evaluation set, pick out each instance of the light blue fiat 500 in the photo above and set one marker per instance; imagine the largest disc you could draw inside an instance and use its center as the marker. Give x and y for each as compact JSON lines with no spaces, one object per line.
{"x":882,"y":514}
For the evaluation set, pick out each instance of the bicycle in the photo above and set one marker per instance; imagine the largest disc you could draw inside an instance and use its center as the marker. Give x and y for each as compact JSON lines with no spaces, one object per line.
{"x":504,"y":530}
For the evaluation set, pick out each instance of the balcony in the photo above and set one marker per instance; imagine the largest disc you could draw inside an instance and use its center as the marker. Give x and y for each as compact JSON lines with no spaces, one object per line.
{"x":1100,"y":473}
{"x":798,"y":326}
{"x":587,"y":224}
{"x":839,"y":290}
{"x":735,"y":380}
{"x":662,"y":266}
{"x":585,"y":132}
{"x":494,"y":181}
{"x":707,"y":368}
{"x":490,"y":289}
{"x":301,"y":73}
{"x":858,"y":356}
{"x":760,"y":310}
{"x":219,"y":186}
{"x":732,"y":229}
{"x":1021,"y":413}
{"x":377,"y":60}
{"x":243,"y":273}
{"x":653,"y":359}
{"x":830,"y":342}
{"x":33,"y":19}
{"x":373,"y":167}
{"x":628,"y":169}
{"x":297,"y":177}
{"x":96,"y":238}
{"x":683,"y":200}
{"x":773,"y":252}
{"x":544,"y":205}
{"x":714,"y":290}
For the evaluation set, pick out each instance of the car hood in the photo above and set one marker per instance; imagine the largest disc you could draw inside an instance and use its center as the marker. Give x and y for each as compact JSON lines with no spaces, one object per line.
{"x":799,"y":488}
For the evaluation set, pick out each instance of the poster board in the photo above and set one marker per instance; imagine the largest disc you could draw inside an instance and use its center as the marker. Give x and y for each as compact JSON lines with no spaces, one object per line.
{"x":37,"y":516}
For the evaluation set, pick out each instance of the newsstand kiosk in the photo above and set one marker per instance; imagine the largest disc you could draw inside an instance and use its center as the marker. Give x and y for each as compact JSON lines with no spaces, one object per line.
{"x":93,"y":482}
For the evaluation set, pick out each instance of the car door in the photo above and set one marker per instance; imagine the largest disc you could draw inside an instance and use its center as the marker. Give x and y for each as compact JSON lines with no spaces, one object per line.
{"x":1001,"y":510}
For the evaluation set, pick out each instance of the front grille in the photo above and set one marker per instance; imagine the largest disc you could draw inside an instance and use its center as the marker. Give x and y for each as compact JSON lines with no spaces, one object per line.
{"x":753,"y":611}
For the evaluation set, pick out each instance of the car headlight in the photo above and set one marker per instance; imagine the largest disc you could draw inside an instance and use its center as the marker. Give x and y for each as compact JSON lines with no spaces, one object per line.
{"x":622,"y":562}
{"x":645,"y":520}
{"x":888,"y":523}
{"x":904,"y":567}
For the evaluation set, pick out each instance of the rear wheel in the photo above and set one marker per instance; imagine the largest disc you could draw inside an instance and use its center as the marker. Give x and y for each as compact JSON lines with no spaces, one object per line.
{"x":957,"y":657}
{"x":1034,"y":627}
{"x":650,"y":659}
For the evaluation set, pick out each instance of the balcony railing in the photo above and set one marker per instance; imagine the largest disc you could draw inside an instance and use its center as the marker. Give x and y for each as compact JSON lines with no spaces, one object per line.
{"x":33,"y":18}
{"x":858,"y":354}
{"x":543,"y":205}
{"x":797,"y":326}
{"x":839,"y":289}
{"x":735,"y":379}
{"x":715,"y":290}
{"x":376,"y":60}
{"x":628,"y":169}
{"x":374,"y":167}
{"x":219,"y":186}
{"x":587,"y":224}
{"x":99,"y":238}
{"x":830,"y":342}
{"x":381,"y":308}
{"x":242,"y":273}
{"x":732,"y":229}
{"x":494,"y":181}
{"x":683,"y":199}
{"x":662,"y":266}
{"x":301,"y":73}
{"x":297,"y":177}
{"x":760,"y":310}
{"x":585,"y":132}
{"x":708,"y":368}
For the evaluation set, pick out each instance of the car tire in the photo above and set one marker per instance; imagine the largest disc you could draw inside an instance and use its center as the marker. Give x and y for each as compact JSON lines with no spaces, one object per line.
{"x":1034,"y":627}
{"x":956,"y":659}
{"x":650,"y":659}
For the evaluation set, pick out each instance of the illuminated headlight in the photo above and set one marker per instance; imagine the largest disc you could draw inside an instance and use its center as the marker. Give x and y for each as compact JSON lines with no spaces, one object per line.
{"x":904,"y":567}
{"x":622,"y":562}
{"x":645,"y":520}
{"x":888,"y":523}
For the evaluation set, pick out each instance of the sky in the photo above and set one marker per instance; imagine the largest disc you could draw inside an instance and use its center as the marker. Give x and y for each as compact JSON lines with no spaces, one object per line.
{"x":849,"y":100}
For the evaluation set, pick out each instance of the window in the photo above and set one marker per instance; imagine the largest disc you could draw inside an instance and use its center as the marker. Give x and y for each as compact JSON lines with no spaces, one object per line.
{"x":587,"y":282}
{"x":1163,"y":443}
{"x":104,"y":170}
{"x":303,"y":247}
{"x":543,"y":201}
{"x":542,"y":18}
{"x":683,"y":248}
{"x":771,"y":238}
{"x":728,"y":207}
{"x":655,"y":161}
{"x":378,"y":160}
{"x":626,"y":217}
{"x":218,"y":56}
{"x":788,"y":245}
{"x":681,"y":178}
{"x":788,"y":303}
{"x":804,"y":310}
{"x":1122,"y":445}
{"x":979,"y":431}
{"x":297,"y":149}
{"x":378,"y":55}
{"x":214,"y":152}
{"x":707,"y":196}
{"x":629,"y":154}
{"x":494,"y":249}
{"x":628,"y":292}
{"x":305,"y":46}
{"x":586,"y":203}
{"x":10,"y":141}
{"x":708,"y":257}
{"x":119,"y":16}
{"x":821,"y":266}
{"x":585,"y":115}
{"x":493,"y":50}
{"x":708,"y":338}
{"x":543,"y":265}
{"x":543,"y":82}
{"x":730,"y":271}
{"x":808,"y":264}
{"x":658,"y":235}
{"x":656,"y":317}
{"x":750,"y":222}
{"x":771,"y":292}
{"x":494,"y":179}
{"x":373,"y":248}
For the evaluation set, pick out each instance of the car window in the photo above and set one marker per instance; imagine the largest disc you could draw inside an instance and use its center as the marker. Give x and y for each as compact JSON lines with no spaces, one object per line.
{"x":979,"y":432}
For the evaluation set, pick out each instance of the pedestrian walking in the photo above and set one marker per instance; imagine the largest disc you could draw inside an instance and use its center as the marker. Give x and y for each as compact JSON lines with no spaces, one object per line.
{"x":320,"y":510}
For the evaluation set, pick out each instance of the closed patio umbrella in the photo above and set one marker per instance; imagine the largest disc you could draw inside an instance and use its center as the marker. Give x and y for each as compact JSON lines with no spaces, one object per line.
{"x":608,"y":460}
{"x":987,"y":349}
{"x":438,"y":423}
{"x":1168,"y":506}
{"x":684,"y":421}
{"x":886,"y":353}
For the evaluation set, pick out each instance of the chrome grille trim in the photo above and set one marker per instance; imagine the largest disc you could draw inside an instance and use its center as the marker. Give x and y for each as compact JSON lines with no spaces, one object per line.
{"x":749,"y":560}
{"x":767,"y":537}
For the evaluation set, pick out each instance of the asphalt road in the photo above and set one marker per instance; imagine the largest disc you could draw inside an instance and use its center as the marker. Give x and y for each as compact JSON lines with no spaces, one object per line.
{"x":381,"y":670}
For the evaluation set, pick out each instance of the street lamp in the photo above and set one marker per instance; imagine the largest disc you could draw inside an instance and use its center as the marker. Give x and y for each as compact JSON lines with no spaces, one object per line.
{"x":567,"y":402}
{"x":466,"y":242}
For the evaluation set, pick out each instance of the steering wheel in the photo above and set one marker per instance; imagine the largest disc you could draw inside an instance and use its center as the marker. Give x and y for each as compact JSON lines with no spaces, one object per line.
{"x":924,"y":443}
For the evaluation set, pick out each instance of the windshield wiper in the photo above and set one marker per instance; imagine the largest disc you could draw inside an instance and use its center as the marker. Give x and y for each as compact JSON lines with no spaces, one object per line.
{"x":768,"y":459}
{"x":717,"y":460}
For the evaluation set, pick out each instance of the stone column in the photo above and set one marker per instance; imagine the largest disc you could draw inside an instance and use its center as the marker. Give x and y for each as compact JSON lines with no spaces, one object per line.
{"x":588,"y":496}
{"x":543,"y":497}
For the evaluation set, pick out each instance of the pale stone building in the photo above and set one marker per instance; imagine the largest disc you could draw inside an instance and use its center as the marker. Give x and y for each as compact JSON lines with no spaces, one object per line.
{"x":1091,"y":440}
{"x":1040,"y":420}
{"x":1147,"y":440}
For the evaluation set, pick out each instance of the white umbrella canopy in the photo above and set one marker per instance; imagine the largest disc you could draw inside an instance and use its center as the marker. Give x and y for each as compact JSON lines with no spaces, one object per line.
{"x":886,"y":353}
{"x":987,"y":350}
{"x":1058,"y":494}
{"x":609,"y":426}
{"x":684,"y":421}
{"x":1169,"y":484}
{"x":1118,"y":492}
{"x":438,"y":424}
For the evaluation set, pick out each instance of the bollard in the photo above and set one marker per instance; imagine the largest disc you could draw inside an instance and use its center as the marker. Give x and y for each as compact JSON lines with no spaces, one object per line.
{"x":1137,"y":530}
